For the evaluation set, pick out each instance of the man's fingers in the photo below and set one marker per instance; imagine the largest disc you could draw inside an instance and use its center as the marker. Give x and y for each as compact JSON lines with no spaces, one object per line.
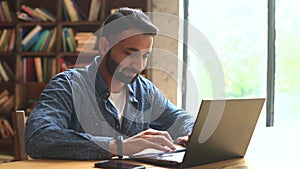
{"x":154,"y":145}
{"x":167,"y":135}
{"x":160,"y":140}
{"x":155,"y":132}
{"x":182,"y":140}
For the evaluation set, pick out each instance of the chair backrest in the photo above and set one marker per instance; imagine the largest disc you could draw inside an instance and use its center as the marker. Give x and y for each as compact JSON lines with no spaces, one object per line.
{"x":19,"y":135}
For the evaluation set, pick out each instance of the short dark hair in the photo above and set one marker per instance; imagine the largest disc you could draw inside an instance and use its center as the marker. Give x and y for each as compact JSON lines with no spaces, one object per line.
{"x":127,"y":18}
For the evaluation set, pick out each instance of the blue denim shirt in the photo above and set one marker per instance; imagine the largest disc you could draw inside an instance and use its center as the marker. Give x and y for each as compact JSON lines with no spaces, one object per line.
{"x":74,"y":119}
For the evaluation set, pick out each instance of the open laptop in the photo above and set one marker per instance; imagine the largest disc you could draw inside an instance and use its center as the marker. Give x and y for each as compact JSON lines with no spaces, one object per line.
{"x":222,"y":131}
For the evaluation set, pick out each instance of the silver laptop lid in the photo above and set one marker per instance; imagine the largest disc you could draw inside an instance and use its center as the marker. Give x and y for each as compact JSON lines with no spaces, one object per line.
{"x":223,"y":130}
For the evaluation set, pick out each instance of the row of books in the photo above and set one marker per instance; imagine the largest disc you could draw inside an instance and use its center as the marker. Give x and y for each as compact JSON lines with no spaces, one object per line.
{"x":85,"y":41}
{"x":7,"y":40}
{"x":6,"y":101}
{"x":37,"y":69}
{"x":6,"y":130}
{"x":72,"y":11}
{"x":6,"y":15}
{"x":76,"y":42}
{"x":43,"y":40}
{"x":6,"y":73}
{"x":38,"y":14}
{"x":39,"y":39}
{"x":33,"y":69}
{"x":6,"y":105}
{"x":68,"y":40}
{"x":41,"y":69}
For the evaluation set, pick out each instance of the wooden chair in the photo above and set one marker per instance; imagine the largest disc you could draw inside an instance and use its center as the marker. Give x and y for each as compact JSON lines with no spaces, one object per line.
{"x":18,"y":118}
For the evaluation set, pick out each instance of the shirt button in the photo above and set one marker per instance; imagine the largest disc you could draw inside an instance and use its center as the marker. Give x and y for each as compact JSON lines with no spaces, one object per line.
{"x":118,"y":126}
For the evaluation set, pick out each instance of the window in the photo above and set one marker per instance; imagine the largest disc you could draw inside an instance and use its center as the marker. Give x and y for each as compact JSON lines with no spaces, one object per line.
{"x":238,"y":32}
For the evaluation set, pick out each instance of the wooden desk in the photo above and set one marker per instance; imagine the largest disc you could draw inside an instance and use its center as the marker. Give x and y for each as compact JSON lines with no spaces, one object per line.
{"x":63,"y":164}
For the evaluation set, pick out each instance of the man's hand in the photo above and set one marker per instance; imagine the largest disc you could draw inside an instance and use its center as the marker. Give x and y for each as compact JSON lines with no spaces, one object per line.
{"x":183,"y":140}
{"x":160,"y":140}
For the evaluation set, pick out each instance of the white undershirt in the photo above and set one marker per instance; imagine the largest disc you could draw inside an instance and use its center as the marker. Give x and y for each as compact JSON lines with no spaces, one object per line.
{"x":119,"y":100}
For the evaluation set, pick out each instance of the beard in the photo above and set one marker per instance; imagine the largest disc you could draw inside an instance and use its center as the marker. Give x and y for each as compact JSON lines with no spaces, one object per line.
{"x":113,"y":67}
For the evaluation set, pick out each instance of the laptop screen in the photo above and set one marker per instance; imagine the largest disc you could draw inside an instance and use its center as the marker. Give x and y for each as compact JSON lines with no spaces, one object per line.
{"x":222,"y":131}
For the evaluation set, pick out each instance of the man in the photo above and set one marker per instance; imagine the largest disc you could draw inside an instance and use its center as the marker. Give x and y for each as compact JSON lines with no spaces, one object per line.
{"x":107,"y":108}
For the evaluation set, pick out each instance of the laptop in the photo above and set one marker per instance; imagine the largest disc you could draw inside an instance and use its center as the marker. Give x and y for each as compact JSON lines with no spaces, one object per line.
{"x":222,"y":131}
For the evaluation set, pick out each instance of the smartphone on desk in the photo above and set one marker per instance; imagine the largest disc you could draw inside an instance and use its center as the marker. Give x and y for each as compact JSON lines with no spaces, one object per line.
{"x":113,"y":164}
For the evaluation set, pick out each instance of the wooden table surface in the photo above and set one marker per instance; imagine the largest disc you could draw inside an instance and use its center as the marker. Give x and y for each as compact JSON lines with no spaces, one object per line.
{"x":65,"y":164}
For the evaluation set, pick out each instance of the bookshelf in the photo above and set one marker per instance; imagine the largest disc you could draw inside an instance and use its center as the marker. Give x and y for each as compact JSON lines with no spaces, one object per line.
{"x":51,"y":53}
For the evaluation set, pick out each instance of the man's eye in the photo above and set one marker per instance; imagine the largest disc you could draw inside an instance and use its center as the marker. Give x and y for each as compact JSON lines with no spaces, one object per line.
{"x":132,"y":54}
{"x":128,"y":53}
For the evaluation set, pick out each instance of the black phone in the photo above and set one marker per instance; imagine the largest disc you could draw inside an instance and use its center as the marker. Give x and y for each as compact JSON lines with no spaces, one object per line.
{"x":113,"y":164}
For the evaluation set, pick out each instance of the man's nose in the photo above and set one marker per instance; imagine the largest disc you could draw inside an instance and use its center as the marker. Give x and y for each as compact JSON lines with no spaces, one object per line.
{"x":138,"y":62}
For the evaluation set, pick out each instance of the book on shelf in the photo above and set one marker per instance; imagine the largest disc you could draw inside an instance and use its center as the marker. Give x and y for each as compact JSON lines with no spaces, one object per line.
{"x":46,"y":40}
{"x":25,"y":17}
{"x":4,"y":93}
{"x":52,"y":68}
{"x":33,"y":13}
{"x":5,"y":72}
{"x":65,"y":15}
{"x":28,"y":41}
{"x":85,"y":41}
{"x":9,"y":130}
{"x":8,"y":104}
{"x":69,"y":7}
{"x":6,"y":11}
{"x":63,"y":65}
{"x":8,"y":71}
{"x":52,"y":41}
{"x":2,"y":16}
{"x":29,"y":69}
{"x":28,"y":46}
{"x":3,"y":99}
{"x":3,"y":134}
{"x":72,"y":37}
{"x":38,"y":68}
{"x":4,"y":39}
{"x":68,"y":40}
{"x":27,"y":38}
{"x":46,"y":14}
{"x":63,"y":41}
{"x":4,"y":96}
{"x":7,"y":40}
{"x":41,"y":39}
{"x":45,"y":68}
{"x":48,"y":68}
{"x":12,"y":40}
{"x":81,"y":14}
{"x":94,"y":10}
{"x":6,"y":130}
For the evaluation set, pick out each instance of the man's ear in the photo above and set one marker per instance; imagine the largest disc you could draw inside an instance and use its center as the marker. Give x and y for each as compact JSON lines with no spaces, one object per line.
{"x":103,"y":45}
